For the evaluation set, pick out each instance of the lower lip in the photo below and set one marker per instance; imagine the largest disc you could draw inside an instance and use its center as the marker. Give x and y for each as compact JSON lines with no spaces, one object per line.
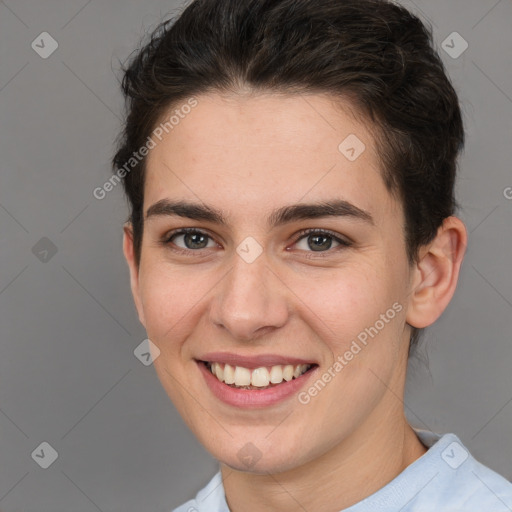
{"x":253,"y":398}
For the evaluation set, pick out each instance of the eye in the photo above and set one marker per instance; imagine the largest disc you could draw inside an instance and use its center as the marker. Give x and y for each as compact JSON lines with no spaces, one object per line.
{"x":319,"y":240}
{"x":313,"y":240}
{"x":193,"y":239}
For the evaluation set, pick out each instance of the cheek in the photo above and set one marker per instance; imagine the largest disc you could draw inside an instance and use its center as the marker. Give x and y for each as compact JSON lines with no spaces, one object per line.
{"x":354,"y":311}
{"x":342,"y":298}
{"x":171,"y":299}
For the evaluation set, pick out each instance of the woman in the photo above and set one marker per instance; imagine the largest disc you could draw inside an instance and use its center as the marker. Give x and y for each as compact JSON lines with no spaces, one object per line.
{"x":290,"y":169}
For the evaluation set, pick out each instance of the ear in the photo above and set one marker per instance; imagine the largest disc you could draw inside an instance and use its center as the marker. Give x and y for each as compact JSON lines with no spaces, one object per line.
{"x":129,"y":254}
{"x":436,"y":273}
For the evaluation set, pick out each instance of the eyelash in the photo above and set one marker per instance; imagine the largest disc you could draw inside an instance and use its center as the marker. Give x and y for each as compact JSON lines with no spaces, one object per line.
{"x":166,"y":241}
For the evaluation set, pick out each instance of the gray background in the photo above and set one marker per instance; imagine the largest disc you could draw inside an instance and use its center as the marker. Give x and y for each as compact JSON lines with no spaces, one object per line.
{"x":68,"y":374}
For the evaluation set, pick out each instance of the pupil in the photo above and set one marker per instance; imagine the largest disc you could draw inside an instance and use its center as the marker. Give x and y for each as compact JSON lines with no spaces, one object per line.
{"x":322,"y":244}
{"x":193,"y":238}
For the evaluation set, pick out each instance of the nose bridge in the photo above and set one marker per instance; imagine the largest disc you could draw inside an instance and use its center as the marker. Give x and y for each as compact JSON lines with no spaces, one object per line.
{"x":249,"y":298}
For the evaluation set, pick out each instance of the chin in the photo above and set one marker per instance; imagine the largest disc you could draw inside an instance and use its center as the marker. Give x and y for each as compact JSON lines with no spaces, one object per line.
{"x":261,"y":467}
{"x":259,"y":461}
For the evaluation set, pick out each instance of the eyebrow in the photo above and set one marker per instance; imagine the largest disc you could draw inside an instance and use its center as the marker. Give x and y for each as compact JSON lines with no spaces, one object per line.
{"x":280,"y":216}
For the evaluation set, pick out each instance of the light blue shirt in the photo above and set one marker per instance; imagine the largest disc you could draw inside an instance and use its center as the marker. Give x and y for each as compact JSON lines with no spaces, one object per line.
{"x":445,"y":479}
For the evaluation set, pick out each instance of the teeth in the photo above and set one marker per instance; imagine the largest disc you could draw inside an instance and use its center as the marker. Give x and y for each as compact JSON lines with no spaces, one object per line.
{"x":242,"y":376}
{"x":276,"y":374}
{"x":229,"y":374}
{"x":259,"y":377}
{"x":218,"y":371}
{"x":288,"y":372}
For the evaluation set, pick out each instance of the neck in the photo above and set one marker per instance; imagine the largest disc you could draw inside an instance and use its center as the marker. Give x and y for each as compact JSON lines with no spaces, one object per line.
{"x":361,"y":464}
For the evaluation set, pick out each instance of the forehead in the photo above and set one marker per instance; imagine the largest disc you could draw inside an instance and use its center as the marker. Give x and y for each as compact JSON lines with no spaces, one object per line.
{"x":254,"y":152}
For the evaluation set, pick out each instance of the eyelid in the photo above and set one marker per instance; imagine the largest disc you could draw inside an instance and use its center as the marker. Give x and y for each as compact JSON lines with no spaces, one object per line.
{"x":342,"y":240}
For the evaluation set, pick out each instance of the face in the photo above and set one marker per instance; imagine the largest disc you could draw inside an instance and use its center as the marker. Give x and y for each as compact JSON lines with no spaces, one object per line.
{"x":267,"y":288}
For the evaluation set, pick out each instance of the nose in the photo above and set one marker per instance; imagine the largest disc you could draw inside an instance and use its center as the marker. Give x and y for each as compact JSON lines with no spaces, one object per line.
{"x":250,"y":300}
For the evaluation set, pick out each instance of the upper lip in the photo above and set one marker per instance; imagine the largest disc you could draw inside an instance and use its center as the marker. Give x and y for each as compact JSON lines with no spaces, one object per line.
{"x":252,"y":362}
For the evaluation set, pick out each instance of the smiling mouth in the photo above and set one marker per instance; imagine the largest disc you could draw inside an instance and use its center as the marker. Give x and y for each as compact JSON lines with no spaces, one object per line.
{"x":263,"y":377}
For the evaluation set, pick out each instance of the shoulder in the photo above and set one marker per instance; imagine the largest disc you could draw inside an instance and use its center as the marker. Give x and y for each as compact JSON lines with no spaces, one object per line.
{"x":189,"y":506}
{"x":447,"y":478}
{"x":209,"y":499}
{"x":460,"y":482}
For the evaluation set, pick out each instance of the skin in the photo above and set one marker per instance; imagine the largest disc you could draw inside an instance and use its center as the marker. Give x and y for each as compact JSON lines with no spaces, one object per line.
{"x":247,"y":154}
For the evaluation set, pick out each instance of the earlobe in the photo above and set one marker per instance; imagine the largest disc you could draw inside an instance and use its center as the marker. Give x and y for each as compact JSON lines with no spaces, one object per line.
{"x":129,"y":254}
{"x":436,"y":273}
